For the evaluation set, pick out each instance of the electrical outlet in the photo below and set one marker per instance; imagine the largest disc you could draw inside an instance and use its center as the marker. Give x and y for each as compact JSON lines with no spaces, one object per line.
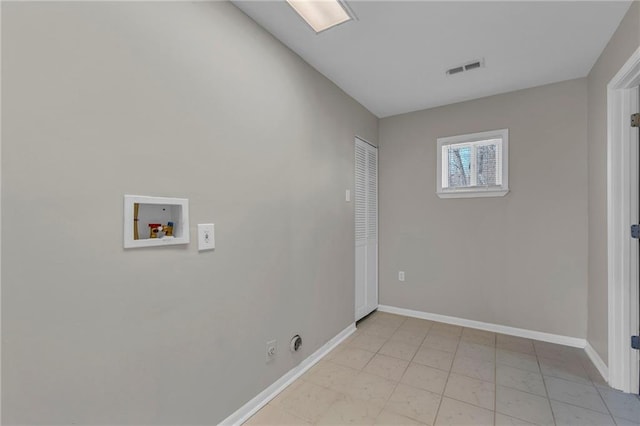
{"x":272,"y":349}
{"x":400,"y":275}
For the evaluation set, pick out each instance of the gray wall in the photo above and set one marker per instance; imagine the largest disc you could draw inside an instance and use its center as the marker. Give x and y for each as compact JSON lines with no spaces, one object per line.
{"x":170,"y":99}
{"x":520,"y":260}
{"x":623,"y":43}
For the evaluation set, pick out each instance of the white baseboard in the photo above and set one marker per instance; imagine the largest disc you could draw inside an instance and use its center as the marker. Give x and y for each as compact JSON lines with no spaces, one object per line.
{"x":496,"y":328}
{"x":597,"y":361}
{"x":250,"y":408}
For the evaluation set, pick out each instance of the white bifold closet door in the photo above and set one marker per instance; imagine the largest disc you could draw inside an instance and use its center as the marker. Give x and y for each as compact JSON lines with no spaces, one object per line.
{"x":366,"y":217}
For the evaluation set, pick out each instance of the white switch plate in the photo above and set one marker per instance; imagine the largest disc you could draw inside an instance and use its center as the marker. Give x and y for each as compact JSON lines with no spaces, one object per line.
{"x":347,"y":195}
{"x":400,"y":275}
{"x":206,"y":236}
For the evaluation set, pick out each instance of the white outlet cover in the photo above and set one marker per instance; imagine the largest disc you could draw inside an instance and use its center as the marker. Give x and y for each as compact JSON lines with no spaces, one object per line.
{"x":206,"y":236}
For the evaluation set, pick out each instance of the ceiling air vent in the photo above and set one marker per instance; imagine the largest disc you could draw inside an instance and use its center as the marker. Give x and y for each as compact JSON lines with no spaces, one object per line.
{"x":472,"y":65}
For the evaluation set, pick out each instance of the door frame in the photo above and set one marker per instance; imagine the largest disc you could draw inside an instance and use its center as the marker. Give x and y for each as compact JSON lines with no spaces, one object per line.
{"x":622,"y":211}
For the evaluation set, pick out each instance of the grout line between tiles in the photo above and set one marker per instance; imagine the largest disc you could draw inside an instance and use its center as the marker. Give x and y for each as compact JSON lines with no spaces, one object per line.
{"x":584,"y":408}
{"x":606,"y":406}
{"x":544,"y":382}
{"x":447,"y":381}
{"x":398,"y":381}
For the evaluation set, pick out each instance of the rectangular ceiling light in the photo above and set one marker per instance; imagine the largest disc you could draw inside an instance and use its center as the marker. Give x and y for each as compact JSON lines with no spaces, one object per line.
{"x":320,"y":14}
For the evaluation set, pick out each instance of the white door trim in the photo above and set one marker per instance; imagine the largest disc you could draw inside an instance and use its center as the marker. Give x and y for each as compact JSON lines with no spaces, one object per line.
{"x":622,"y":211}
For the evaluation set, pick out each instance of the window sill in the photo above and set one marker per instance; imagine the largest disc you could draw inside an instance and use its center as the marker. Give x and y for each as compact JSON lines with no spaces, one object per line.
{"x":473,"y":193}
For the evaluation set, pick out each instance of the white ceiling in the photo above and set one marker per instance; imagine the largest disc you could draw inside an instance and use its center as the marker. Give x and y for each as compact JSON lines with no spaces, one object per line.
{"x":393,"y":58}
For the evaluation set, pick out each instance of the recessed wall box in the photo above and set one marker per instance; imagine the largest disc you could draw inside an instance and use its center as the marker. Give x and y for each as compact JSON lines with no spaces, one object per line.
{"x":155,"y":221}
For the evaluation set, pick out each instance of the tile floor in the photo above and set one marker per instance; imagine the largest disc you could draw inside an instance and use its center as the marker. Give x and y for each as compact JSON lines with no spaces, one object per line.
{"x":396,"y":370}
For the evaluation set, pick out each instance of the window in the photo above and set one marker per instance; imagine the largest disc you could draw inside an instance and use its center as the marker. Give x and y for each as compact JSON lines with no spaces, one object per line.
{"x":474,"y":165}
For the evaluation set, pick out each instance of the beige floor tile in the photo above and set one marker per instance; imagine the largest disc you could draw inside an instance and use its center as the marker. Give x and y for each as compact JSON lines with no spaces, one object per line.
{"x":369,"y":387}
{"x":472,"y":391}
{"x":353,"y":357}
{"x":487,"y":341}
{"x":332,"y":376}
{"x":271,"y":415}
{"x":479,"y":336}
{"x":572,"y":371}
{"x":413,"y":337}
{"x":515,"y":344}
{"x":387,"y":367}
{"x":622,"y":405}
{"x":414,"y":403}
{"x":336,"y":392}
{"x":476,"y":368}
{"x":625,"y":422}
{"x":424,"y":377}
{"x":476,"y":350}
{"x":349,"y":337}
{"x":307,"y":401}
{"x":579,"y":394}
{"x":506,"y":338}
{"x":399,"y":349}
{"x":517,"y":360}
{"x":566,"y":414}
{"x":436,"y":358}
{"x":362,"y":325}
{"x":559,"y":352}
{"x":334,"y":352}
{"x":459,"y":413}
{"x":389,"y":319}
{"x":443,"y":342}
{"x":523,"y":380}
{"x":381,"y":330}
{"x":349,"y":411}
{"x":442,"y":328}
{"x":416,"y":324}
{"x":389,"y":418}
{"x":524,"y":347}
{"x":368,"y":342}
{"x":502,"y":420}
{"x":524,"y":406}
{"x":347,"y":340}
{"x":287,"y":391}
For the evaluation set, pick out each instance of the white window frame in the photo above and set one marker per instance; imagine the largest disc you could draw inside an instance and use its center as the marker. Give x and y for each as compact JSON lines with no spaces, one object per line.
{"x":472,"y":139}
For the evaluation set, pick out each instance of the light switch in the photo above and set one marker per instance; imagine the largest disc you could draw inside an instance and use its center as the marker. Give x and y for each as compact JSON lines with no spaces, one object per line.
{"x":206,"y":236}
{"x":347,"y":195}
